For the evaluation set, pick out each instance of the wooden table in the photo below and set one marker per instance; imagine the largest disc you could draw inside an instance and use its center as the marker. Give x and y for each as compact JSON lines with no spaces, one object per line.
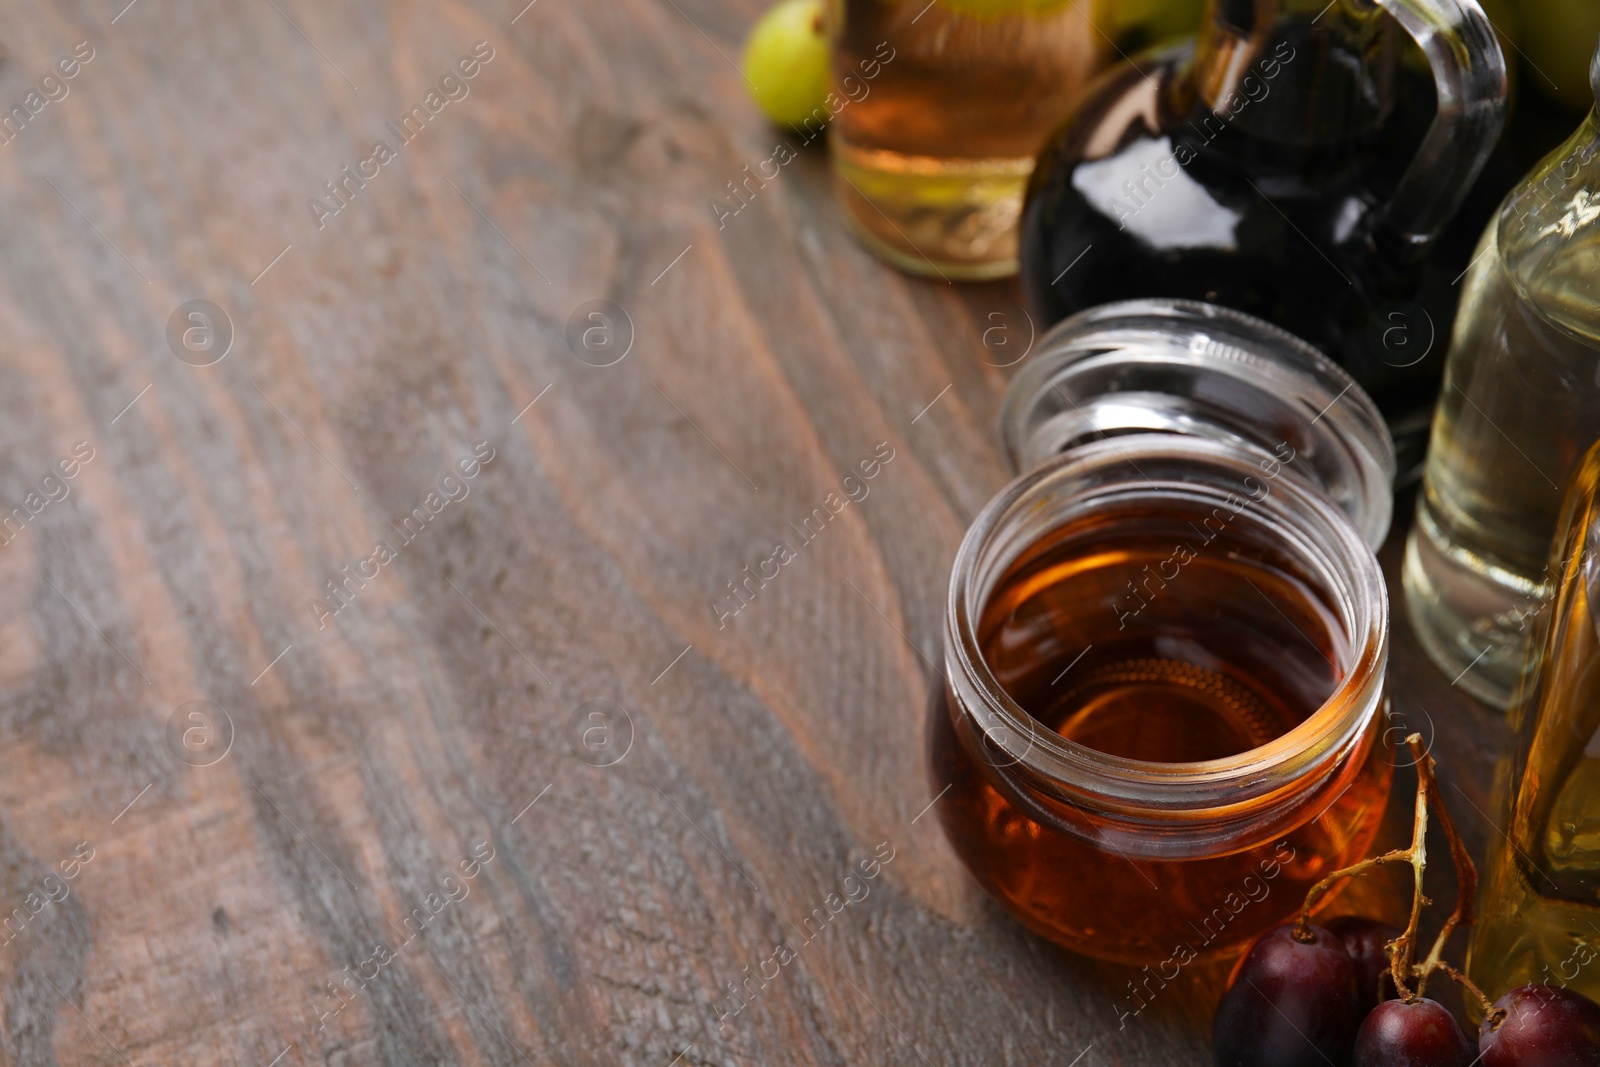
{"x":284,"y":752}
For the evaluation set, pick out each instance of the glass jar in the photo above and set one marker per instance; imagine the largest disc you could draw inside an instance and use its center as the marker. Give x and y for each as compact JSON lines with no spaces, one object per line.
{"x":1165,"y":642}
{"x":1266,"y":166}
{"x":1520,"y":405}
{"x":941,"y":107}
{"x":1539,"y":909}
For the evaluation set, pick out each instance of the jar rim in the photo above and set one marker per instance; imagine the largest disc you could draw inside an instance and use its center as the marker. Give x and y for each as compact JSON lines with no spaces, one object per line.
{"x":1185,"y":367}
{"x":1202,"y":790}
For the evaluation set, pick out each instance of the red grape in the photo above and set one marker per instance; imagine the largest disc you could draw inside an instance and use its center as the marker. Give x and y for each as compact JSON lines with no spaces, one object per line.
{"x":1422,"y":1033}
{"x":1544,"y":1026}
{"x":1290,"y":1003}
{"x":1365,"y":939}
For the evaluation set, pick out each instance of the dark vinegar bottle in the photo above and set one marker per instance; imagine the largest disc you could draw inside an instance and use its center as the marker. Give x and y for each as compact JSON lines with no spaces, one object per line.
{"x":1258,"y":168}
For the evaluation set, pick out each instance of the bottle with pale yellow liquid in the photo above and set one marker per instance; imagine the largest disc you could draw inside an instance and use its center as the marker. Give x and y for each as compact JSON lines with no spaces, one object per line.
{"x":931,"y":154}
{"x":1519,"y":407}
{"x":1539,"y":907}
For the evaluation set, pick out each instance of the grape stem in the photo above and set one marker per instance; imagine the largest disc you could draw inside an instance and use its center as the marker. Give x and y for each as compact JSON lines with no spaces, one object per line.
{"x":1402,"y":950}
{"x":1493,"y":1015}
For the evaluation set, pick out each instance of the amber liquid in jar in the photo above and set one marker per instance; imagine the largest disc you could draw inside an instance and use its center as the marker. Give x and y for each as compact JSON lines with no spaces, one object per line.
{"x":1163,"y":633}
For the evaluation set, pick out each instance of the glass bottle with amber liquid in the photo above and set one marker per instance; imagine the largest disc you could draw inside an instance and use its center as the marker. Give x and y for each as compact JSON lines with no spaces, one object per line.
{"x":1540,"y":908}
{"x":1260,"y":168}
{"x":930,"y":156}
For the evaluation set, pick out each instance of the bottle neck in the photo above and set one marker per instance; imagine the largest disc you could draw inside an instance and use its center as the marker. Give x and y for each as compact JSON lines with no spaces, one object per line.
{"x":1296,"y":71}
{"x":1548,"y":230}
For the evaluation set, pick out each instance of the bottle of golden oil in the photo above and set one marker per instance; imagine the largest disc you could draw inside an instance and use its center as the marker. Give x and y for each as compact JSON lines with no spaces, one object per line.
{"x":1540,"y":903}
{"x":931,"y":155}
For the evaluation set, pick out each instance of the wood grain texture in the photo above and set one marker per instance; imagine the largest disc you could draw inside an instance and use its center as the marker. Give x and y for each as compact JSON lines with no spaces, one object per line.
{"x":445,"y":710}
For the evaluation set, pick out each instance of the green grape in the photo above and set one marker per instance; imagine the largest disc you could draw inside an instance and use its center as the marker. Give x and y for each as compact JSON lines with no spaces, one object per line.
{"x":786,"y":61}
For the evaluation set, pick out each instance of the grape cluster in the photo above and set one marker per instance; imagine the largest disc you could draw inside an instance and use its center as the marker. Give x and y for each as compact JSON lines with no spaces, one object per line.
{"x":1316,"y":999}
{"x":1350,"y":994}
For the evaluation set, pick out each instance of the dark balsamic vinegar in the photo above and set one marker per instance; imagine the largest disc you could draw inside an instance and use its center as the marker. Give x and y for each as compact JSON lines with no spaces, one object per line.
{"x":1261,"y":197}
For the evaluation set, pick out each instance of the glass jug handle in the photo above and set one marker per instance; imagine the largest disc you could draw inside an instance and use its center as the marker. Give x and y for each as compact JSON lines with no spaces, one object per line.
{"x":1469,"y":76}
